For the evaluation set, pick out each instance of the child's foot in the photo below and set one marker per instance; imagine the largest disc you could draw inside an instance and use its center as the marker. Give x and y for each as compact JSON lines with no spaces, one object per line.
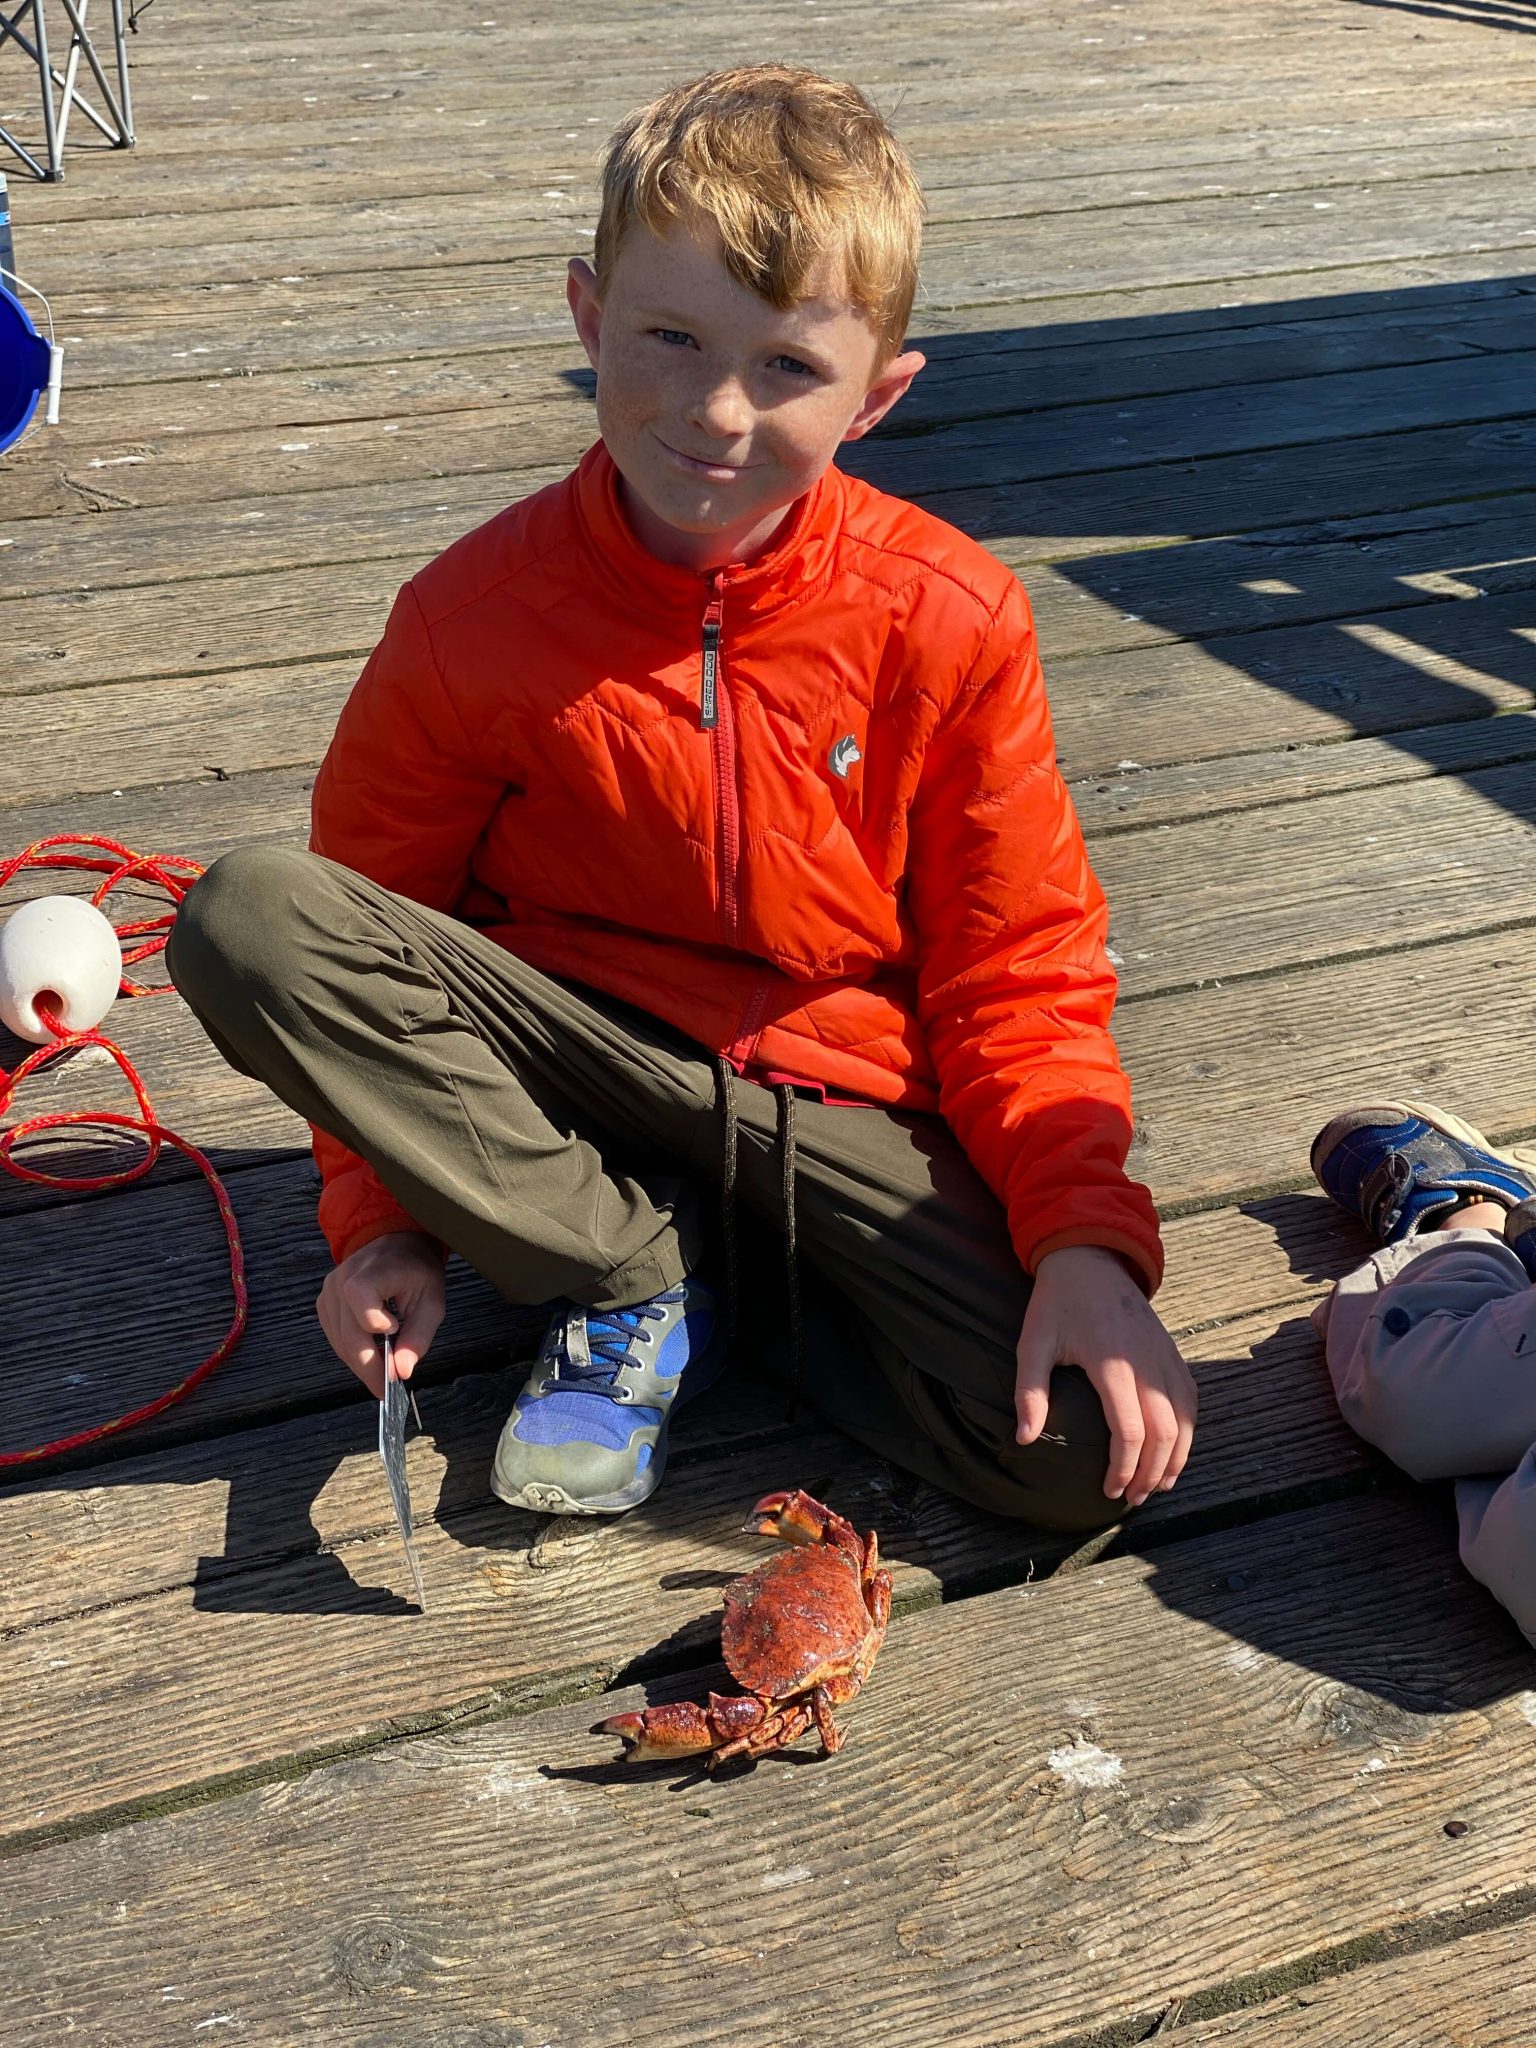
{"x":1402,"y":1166}
{"x":588,"y":1433}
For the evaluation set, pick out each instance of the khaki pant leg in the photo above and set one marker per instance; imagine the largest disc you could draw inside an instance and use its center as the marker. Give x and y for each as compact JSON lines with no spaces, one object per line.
{"x":1498,"y":1538}
{"x":1432,"y":1350}
{"x":539,"y":1132}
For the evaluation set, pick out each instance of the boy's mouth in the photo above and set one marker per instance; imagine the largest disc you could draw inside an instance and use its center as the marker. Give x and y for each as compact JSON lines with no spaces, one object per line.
{"x":698,"y":465}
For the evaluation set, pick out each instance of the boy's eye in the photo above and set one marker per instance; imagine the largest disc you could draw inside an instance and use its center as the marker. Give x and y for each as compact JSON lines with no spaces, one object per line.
{"x":673,"y":336}
{"x":793,"y":364}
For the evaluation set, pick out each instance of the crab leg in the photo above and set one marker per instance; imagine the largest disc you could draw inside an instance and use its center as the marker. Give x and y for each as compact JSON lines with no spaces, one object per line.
{"x":780,"y":1728}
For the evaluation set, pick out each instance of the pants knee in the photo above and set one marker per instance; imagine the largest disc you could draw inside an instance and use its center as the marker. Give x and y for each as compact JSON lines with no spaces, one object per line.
{"x":235,"y":925}
{"x":1057,"y":1482}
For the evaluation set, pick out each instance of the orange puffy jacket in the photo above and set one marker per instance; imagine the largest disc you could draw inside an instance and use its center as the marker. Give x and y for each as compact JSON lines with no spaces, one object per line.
{"x":807,"y":812}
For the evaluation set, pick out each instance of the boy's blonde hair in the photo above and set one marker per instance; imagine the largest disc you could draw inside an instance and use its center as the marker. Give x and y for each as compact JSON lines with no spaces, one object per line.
{"x":792,"y":169}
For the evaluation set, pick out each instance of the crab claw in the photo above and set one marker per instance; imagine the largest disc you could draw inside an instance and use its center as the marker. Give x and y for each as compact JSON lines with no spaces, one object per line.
{"x":794,"y":1517}
{"x":679,"y":1730}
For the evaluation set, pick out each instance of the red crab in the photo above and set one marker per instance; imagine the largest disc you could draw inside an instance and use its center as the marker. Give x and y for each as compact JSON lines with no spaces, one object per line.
{"x":800,"y":1633}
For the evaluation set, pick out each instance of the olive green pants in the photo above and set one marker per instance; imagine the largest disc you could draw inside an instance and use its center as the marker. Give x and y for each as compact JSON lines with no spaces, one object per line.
{"x":565,"y":1145}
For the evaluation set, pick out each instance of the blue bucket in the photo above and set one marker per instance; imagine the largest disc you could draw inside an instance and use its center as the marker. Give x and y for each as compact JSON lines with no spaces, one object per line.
{"x":24,"y":359}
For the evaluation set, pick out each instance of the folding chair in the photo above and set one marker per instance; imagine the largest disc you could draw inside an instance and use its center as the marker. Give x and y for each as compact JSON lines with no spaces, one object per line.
{"x":116,"y":124}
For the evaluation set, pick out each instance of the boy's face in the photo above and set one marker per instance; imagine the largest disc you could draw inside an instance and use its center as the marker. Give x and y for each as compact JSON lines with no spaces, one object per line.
{"x":719,"y":410}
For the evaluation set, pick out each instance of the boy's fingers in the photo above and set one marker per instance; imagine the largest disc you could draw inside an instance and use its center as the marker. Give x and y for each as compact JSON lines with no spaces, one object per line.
{"x":368,"y":1311}
{"x":1181,"y":1452}
{"x":1122,"y":1411}
{"x":1032,"y":1384}
{"x":1158,"y":1445}
{"x":419,"y":1327}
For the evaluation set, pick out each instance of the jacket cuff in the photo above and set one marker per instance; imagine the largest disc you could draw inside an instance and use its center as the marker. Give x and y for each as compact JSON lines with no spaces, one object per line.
{"x":381,"y":1226}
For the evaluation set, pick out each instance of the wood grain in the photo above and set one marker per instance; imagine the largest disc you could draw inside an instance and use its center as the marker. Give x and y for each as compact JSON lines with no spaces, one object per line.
{"x":1254,"y":1707}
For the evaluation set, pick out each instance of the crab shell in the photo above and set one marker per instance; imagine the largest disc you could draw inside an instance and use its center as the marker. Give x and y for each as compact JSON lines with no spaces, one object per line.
{"x":799,"y":1620}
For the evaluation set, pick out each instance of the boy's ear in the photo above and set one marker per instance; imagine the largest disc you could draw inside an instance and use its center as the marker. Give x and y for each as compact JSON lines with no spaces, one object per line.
{"x":581,"y":297}
{"x":892,"y":383}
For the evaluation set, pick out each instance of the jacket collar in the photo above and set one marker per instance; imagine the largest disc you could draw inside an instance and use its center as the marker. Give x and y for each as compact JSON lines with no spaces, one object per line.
{"x":799,"y":561}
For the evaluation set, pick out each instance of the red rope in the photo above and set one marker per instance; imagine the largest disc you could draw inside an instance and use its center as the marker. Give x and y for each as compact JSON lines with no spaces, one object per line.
{"x":175,"y":874}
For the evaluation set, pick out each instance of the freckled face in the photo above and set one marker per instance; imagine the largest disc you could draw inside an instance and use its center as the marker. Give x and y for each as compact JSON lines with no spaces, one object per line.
{"x":719,"y":410}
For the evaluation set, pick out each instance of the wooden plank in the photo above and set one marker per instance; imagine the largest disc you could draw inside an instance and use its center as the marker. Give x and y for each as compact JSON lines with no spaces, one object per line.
{"x":1289,"y":413}
{"x":1290,"y":896}
{"x":1414,"y":863}
{"x":1232,"y":1083}
{"x":957,"y":83}
{"x":239,"y":436}
{"x":117,"y":735}
{"x":1473,"y":1989}
{"x":119,"y":352}
{"x":1295,"y":686}
{"x":526,"y":215}
{"x":284,"y":617}
{"x":955,"y":74}
{"x":1171,"y":796}
{"x":1078,"y":516}
{"x":202,"y":818}
{"x":1126,"y":167}
{"x":272,"y":323}
{"x":1213,"y":1125}
{"x":233,"y":1671}
{"x":72,"y":1371}
{"x":1257,"y":1711}
{"x":1403,"y":479}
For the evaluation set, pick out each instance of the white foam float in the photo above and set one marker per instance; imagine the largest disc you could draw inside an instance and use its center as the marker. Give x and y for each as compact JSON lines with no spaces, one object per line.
{"x":60,"y":953}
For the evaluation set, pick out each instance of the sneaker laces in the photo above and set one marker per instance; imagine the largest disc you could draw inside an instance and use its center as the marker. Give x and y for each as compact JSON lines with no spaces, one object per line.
{"x":610,"y":1332}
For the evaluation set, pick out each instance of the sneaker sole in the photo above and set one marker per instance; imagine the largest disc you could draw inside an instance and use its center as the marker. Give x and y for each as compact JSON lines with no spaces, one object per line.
{"x":544,"y":1497}
{"x":1521,"y":1157}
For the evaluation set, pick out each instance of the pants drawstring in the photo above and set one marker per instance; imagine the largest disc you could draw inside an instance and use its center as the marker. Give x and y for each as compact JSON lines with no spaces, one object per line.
{"x":785,"y":1141}
{"x":727,"y":1101}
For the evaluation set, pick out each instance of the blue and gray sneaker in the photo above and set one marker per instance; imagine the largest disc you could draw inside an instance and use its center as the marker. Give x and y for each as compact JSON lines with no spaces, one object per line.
{"x":588,"y":1433}
{"x":1400,"y":1166}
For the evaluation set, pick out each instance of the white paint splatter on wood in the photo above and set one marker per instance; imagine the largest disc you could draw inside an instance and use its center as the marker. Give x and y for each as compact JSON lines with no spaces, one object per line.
{"x":1084,"y":1765}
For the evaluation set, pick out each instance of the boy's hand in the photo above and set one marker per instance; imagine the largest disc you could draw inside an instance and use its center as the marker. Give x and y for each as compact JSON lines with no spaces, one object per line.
{"x":1087,"y":1311}
{"x":403,"y":1268}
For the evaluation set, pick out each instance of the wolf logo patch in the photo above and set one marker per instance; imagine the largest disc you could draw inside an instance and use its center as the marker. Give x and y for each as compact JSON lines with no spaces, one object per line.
{"x":843,"y":754}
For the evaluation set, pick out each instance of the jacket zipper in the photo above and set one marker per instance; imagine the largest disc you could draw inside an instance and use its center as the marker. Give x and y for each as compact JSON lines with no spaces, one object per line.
{"x":709,"y":672}
{"x":717,"y":716}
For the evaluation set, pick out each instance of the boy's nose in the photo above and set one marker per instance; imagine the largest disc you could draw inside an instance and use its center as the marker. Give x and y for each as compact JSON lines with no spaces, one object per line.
{"x":723,"y":411}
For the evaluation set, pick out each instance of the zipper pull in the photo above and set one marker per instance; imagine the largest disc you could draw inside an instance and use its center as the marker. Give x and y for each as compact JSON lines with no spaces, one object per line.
{"x":709,"y":673}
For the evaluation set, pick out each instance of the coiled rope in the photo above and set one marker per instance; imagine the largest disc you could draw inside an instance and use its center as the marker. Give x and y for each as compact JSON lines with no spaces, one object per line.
{"x":174,"y":874}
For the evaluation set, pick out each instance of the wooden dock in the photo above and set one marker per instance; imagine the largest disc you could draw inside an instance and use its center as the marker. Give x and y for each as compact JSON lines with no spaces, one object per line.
{"x":1232,"y":328}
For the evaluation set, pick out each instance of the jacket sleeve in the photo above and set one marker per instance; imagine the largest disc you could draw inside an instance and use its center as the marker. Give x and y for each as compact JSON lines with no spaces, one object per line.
{"x":402,"y":798}
{"x":1014,"y":987}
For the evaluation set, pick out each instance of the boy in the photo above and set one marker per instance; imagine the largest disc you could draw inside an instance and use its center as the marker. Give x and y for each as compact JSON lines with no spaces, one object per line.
{"x":1432,"y":1343}
{"x":702,"y":810}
